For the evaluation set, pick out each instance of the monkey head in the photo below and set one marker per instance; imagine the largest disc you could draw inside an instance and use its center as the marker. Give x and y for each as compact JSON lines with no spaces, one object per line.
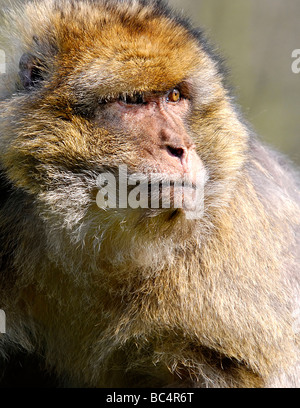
{"x":119,"y":84}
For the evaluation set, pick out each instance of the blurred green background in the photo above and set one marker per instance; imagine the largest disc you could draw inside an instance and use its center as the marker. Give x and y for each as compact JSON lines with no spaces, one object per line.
{"x":256,"y":38}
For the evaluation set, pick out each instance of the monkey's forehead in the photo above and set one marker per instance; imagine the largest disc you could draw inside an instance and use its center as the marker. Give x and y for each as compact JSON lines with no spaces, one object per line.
{"x":113,"y":45}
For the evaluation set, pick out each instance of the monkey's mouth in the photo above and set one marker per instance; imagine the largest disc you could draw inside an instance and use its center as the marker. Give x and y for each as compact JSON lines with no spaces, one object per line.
{"x":173,"y":195}
{"x":161,"y":195}
{"x":175,"y":199}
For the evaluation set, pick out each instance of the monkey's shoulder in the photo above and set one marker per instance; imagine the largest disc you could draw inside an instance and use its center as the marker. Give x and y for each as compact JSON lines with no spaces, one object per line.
{"x":273,"y":175}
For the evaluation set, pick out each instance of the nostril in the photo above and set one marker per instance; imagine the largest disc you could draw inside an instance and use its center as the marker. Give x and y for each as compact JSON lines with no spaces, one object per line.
{"x":175,"y":151}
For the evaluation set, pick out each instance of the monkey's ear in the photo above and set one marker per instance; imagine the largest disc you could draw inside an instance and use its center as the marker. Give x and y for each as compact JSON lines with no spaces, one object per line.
{"x":30,"y":70}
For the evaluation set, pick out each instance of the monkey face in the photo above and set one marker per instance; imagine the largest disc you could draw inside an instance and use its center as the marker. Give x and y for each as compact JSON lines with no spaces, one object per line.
{"x":128,"y":85}
{"x":154,"y":126}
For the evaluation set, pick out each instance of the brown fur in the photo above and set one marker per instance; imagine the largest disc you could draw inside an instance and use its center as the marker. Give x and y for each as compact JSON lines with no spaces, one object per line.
{"x":124,"y":298}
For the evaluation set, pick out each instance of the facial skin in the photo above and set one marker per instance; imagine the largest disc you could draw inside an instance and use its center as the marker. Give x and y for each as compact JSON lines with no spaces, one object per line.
{"x":156,"y":125}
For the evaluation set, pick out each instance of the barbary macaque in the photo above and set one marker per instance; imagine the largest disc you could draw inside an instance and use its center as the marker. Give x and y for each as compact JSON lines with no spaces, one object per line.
{"x":205,"y":294}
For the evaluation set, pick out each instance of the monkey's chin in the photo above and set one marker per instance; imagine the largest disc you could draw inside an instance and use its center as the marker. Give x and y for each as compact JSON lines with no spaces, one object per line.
{"x":186,"y":203}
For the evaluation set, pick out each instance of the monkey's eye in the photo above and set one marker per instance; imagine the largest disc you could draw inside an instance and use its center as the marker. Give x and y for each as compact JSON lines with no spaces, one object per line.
{"x":135,"y":99}
{"x":174,"y":95}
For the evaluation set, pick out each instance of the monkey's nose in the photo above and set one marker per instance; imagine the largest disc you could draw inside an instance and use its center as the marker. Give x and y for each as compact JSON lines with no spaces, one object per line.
{"x":183,"y":154}
{"x":185,"y":159}
{"x":175,"y":151}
